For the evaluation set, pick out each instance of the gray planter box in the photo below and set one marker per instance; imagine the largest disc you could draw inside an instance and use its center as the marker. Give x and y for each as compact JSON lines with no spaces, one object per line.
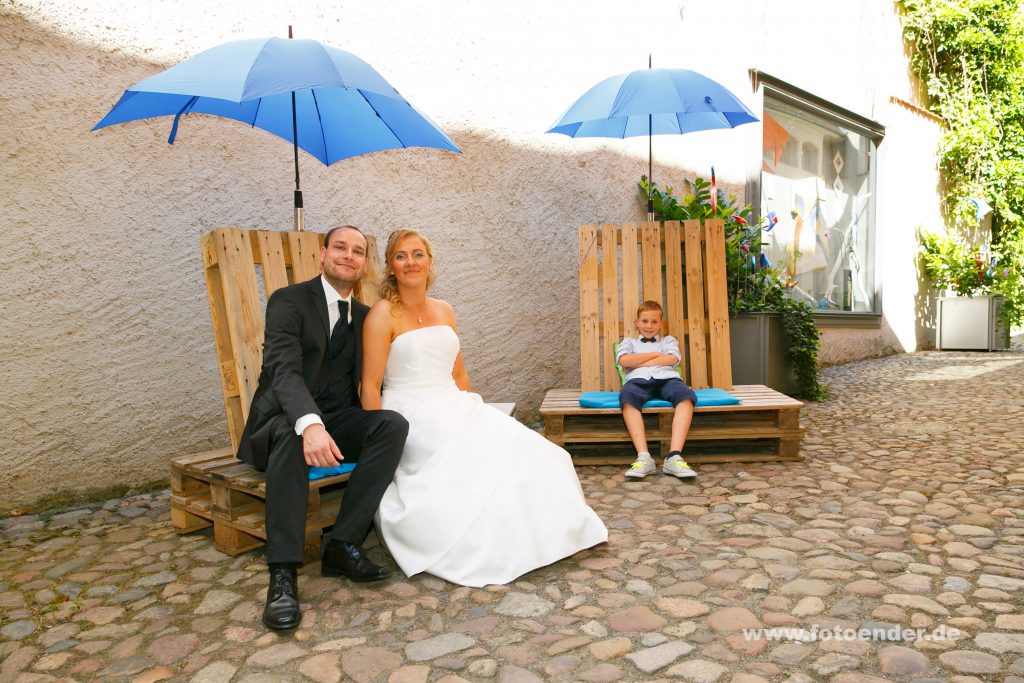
{"x":759,"y":346}
{"x":971,"y":323}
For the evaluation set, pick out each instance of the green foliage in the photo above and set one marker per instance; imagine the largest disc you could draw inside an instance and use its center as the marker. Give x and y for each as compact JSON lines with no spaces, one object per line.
{"x":952,"y":263}
{"x":970,"y":56}
{"x":753,"y":284}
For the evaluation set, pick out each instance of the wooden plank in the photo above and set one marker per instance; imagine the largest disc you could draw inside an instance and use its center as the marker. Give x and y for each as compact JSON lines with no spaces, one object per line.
{"x":553,"y":426}
{"x":674,"y":291}
{"x":207,"y":468}
{"x":718,"y":305}
{"x":221,"y":333}
{"x":630,"y":277}
{"x":183,"y":460}
{"x":244,"y":317}
{"x":597,"y":437}
{"x":691,"y":458}
{"x":651,"y":262}
{"x":233,"y":541}
{"x":696,"y":341}
{"x":609,"y":303}
{"x":270,"y":250}
{"x":366,"y":290}
{"x":304,"y":249}
{"x":590,"y":351}
{"x":185,"y":522}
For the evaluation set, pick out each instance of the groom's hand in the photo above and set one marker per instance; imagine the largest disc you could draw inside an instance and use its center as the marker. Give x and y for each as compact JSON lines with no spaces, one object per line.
{"x":318,"y":448}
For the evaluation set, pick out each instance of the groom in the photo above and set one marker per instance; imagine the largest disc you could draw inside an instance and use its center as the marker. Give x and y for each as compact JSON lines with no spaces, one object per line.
{"x":306,"y":413}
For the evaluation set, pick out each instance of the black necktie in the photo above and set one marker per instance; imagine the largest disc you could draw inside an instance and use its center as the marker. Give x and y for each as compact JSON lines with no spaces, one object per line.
{"x":648,"y":339}
{"x":341,"y":330}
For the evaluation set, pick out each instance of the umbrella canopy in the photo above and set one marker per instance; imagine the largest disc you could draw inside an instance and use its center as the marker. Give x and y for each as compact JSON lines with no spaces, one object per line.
{"x":652,"y":102}
{"x":324,"y":100}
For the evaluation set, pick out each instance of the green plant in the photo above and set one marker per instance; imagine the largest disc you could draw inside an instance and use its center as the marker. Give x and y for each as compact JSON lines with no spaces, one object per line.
{"x":954,"y":264}
{"x":754,"y":285}
{"x":970,"y":56}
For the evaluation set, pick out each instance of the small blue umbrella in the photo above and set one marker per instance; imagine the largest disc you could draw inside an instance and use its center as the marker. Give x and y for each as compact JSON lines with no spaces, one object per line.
{"x":652,"y":102}
{"x":327,"y":101}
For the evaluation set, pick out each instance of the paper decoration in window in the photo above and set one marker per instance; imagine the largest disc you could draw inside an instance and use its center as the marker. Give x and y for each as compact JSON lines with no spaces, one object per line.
{"x":838,"y":163}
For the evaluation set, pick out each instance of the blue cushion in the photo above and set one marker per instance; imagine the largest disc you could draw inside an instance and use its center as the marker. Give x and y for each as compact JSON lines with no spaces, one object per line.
{"x":610,"y":399}
{"x":321,"y":472}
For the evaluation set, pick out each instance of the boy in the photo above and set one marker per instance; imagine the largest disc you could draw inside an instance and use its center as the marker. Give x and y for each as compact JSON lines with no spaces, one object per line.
{"x":649,"y":362}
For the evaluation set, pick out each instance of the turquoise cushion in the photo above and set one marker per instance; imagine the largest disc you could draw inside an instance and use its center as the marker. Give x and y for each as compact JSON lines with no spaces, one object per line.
{"x":321,"y":472}
{"x":610,"y":399}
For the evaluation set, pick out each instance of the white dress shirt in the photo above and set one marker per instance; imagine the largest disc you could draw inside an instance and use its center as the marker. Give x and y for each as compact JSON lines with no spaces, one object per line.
{"x":332,"y":319}
{"x":667,"y":345}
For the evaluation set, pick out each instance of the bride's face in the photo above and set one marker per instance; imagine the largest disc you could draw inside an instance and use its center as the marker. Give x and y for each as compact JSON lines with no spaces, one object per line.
{"x":411,"y":263}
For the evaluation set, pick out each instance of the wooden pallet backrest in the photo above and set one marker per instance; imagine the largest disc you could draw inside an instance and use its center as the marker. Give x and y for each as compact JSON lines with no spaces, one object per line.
{"x":233,"y":259}
{"x":680,"y":266}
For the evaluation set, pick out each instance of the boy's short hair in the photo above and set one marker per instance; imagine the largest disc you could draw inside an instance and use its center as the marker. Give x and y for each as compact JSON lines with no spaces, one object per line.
{"x":649,"y":306}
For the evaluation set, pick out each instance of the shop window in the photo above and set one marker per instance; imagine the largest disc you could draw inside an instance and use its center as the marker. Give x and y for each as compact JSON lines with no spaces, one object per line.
{"x":818,"y":180}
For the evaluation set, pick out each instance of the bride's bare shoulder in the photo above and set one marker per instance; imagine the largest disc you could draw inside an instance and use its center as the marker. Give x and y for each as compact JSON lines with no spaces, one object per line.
{"x":381,"y":306}
{"x":443,"y":307}
{"x":380,"y":312}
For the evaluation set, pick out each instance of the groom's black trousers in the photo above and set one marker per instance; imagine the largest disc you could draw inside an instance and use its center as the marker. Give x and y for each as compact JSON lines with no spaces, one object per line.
{"x":372,"y":438}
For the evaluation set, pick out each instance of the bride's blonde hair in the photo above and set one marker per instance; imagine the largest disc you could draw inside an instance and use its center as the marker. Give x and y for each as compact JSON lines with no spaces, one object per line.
{"x":388,"y":288}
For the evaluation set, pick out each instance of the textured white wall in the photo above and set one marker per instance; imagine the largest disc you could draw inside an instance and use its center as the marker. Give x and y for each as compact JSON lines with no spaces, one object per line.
{"x":106,"y":355}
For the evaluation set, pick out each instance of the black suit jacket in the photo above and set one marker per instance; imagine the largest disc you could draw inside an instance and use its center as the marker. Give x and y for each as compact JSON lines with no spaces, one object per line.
{"x":296,"y":351}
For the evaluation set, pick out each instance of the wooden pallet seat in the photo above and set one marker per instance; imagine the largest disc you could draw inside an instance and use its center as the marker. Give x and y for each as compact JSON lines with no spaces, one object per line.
{"x":682,"y":266}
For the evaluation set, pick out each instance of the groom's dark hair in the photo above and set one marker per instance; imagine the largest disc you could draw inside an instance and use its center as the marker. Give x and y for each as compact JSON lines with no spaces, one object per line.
{"x":327,"y":237}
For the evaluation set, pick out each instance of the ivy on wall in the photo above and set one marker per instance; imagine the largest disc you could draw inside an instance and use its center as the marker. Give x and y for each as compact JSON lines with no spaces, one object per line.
{"x":969,"y":54}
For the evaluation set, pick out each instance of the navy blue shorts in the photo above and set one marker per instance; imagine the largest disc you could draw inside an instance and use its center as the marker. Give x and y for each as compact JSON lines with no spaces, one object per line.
{"x":637,"y":392}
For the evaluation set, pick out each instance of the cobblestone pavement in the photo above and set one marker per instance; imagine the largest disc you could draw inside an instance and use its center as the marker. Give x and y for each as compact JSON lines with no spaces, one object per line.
{"x":908,"y":512}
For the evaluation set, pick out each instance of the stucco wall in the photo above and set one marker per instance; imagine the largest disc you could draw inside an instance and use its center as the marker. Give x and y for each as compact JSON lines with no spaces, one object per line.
{"x":107,"y":362}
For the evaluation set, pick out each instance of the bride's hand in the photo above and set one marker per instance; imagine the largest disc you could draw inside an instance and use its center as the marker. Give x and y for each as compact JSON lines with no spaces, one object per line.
{"x":318,"y":448}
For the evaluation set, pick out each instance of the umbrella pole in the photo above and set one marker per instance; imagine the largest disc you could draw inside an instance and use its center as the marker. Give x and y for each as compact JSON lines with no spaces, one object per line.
{"x":650,"y":173}
{"x":650,"y":163}
{"x":299,"y":222}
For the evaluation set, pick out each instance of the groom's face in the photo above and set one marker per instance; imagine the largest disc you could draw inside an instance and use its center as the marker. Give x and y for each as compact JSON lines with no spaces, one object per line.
{"x":343,"y":258}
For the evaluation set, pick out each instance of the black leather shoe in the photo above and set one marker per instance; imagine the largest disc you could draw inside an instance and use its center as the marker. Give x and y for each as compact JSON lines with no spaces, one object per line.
{"x":350,"y":561}
{"x":282,"y":609}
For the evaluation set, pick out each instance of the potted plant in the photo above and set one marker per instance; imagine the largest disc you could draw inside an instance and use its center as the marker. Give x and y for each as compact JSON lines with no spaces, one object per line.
{"x":982,"y":288}
{"x":774,"y":338}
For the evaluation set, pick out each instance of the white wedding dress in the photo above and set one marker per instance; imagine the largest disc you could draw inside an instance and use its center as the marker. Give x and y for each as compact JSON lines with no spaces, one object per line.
{"x":478,"y":498}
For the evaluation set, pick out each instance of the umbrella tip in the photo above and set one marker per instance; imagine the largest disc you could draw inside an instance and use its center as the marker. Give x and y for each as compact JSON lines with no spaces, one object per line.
{"x":289,"y":30}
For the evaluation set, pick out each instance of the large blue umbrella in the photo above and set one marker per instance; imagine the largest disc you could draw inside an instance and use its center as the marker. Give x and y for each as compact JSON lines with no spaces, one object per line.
{"x":326,"y":101}
{"x":652,"y":102}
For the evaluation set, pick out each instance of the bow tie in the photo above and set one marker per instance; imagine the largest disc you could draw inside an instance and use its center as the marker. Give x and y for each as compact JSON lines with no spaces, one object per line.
{"x":648,"y":339}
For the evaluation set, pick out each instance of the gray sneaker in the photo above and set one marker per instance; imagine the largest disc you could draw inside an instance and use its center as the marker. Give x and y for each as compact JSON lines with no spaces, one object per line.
{"x":677,"y":467}
{"x":641,"y":468}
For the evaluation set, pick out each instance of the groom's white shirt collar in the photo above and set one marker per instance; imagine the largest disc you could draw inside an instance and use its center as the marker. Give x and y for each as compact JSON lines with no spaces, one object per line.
{"x":332,"y":298}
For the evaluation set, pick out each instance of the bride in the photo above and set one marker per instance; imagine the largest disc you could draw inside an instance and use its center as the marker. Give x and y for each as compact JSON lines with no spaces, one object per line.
{"x":477,"y":498}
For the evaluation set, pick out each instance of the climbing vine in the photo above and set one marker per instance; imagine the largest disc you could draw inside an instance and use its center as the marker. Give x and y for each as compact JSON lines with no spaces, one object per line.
{"x":969,"y":54}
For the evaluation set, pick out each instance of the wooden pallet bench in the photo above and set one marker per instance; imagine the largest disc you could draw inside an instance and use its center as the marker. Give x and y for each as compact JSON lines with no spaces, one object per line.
{"x":763,"y":427}
{"x":216,"y":489}
{"x":682,"y":266}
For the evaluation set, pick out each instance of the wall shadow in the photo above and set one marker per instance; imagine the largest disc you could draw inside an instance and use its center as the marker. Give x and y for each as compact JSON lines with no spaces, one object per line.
{"x":110,"y":358}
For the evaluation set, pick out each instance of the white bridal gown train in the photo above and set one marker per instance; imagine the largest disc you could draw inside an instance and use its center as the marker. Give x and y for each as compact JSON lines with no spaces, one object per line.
{"x":478,"y":498}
